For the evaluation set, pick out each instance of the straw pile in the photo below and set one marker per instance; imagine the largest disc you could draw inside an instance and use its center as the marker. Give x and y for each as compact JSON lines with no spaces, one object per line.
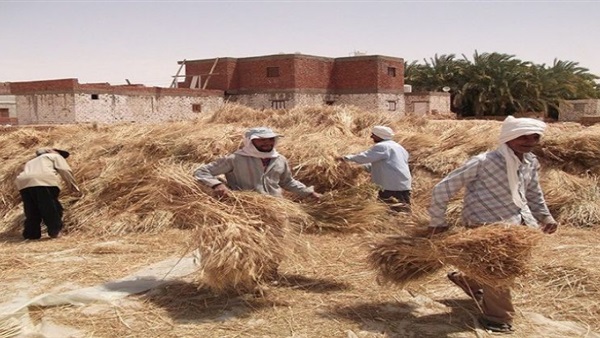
{"x":575,"y":200}
{"x":138,"y":178}
{"x":492,"y":255}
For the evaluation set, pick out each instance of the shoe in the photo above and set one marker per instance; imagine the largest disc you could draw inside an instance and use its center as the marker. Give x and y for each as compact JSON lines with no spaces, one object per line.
{"x":495,"y":327}
{"x":456,"y":278}
{"x":54,"y":235}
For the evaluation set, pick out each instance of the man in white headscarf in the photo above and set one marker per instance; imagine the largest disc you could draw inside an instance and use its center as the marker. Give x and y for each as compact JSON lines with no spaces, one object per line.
{"x":502,"y":186}
{"x":257,"y":166}
{"x":388,"y":163}
{"x":39,"y":186}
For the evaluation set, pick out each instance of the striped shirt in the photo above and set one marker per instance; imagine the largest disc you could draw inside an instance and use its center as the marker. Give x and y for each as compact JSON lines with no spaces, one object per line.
{"x":487,"y":197}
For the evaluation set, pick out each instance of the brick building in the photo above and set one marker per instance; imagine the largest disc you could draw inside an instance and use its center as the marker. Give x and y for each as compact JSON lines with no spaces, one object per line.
{"x":8,"y":106}
{"x":579,"y":110}
{"x":289,"y":80}
{"x":67,"y":101}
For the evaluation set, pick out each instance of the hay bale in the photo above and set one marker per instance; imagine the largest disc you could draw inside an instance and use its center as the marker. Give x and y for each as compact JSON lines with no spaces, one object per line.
{"x":401,"y":259}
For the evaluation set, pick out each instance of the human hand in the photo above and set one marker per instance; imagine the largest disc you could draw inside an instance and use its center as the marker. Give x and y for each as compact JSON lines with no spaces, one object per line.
{"x":221,"y":190}
{"x":316,"y":196}
{"x":549,"y":228}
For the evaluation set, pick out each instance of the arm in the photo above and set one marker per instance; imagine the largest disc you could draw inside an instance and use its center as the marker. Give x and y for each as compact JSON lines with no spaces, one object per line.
{"x":207,"y":173}
{"x":447,"y":188}
{"x":288,"y":183}
{"x":374,"y":154}
{"x":64,"y":170}
{"x":537,"y":203}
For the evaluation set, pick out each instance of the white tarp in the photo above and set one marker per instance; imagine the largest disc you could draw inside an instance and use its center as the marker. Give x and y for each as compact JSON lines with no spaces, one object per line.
{"x":14,"y":315}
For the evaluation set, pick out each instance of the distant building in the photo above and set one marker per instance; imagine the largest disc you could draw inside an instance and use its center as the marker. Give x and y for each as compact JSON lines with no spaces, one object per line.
{"x":584,"y":111}
{"x":8,"y":106}
{"x":67,"y":101}
{"x":427,"y":103}
{"x":286,"y":81}
{"x":281,"y":81}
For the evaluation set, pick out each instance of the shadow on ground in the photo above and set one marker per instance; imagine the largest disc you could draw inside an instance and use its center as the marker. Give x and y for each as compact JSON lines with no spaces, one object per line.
{"x":398,"y":319}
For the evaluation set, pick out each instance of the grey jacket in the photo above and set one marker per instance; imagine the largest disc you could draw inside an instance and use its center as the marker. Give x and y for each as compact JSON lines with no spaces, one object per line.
{"x":247,"y":173}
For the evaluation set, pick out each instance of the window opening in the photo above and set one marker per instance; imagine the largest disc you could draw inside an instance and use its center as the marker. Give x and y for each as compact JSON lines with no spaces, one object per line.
{"x":272,"y":71}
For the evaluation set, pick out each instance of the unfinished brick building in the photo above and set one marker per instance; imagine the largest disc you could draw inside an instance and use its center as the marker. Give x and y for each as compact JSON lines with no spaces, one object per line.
{"x":67,"y":101}
{"x":285,"y":81}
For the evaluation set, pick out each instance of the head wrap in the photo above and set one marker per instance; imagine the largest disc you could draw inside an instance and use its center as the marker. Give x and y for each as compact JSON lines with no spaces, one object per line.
{"x":514,"y":127}
{"x":260,"y":132}
{"x":511,"y":129}
{"x":384,"y":133}
{"x":43,"y":151}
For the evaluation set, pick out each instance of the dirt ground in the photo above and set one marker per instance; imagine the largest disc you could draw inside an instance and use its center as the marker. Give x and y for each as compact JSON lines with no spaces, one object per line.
{"x":328,"y":291}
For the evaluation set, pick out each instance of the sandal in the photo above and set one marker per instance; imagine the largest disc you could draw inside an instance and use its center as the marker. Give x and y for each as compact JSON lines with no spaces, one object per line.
{"x":495,"y":327}
{"x":456,"y":278}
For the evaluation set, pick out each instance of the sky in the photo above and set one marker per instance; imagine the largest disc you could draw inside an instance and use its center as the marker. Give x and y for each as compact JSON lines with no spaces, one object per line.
{"x":142,"y":41}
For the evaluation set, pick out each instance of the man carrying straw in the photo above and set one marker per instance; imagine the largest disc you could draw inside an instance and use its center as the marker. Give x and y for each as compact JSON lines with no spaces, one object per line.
{"x":502,"y":186}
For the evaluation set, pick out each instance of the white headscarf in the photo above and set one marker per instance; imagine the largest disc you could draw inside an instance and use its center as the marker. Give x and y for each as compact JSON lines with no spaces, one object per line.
{"x":383,"y":132}
{"x":260,"y":132}
{"x":511,"y":129}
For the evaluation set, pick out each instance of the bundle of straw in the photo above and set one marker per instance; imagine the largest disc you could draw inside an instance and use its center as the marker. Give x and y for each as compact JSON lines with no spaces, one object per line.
{"x":243,"y":249}
{"x":401,"y":259}
{"x":354,"y":209}
{"x":238,"y":256}
{"x":492,"y":255}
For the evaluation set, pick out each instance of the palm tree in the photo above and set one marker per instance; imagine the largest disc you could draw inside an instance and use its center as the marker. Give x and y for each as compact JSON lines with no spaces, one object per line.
{"x":499,"y":84}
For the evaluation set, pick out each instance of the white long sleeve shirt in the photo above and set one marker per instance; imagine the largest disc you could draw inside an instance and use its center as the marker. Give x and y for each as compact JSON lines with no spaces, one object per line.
{"x":388,"y":163}
{"x":45,"y":170}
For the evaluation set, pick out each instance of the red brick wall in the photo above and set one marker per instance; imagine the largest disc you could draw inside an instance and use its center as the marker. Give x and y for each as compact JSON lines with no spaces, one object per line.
{"x":4,"y":88}
{"x":361,"y":74}
{"x":253,"y":73}
{"x":224,"y":75}
{"x":30,"y":87}
{"x":368,"y":74}
{"x":314,"y":73}
{"x":9,"y":120}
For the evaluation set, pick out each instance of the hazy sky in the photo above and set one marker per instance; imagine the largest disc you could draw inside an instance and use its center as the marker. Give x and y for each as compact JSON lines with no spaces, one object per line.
{"x":110,"y":41}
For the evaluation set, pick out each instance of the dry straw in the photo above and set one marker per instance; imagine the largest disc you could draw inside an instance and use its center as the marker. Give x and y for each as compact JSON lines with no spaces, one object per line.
{"x":401,"y":259}
{"x":354,"y":209}
{"x":492,"y":255}
{"x":244,"y":249}
{"x":575,"y":200}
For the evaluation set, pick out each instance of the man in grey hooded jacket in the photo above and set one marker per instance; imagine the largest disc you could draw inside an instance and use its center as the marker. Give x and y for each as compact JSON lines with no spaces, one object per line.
{"x":257,"y":166}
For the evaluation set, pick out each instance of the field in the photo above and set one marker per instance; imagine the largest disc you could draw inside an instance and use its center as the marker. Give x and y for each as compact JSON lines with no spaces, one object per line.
{"x":142,"y":207}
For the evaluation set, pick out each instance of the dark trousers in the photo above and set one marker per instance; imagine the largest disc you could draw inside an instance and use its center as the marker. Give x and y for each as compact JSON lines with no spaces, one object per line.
{"x":41,"y":204}
{"x":398,"y":200}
